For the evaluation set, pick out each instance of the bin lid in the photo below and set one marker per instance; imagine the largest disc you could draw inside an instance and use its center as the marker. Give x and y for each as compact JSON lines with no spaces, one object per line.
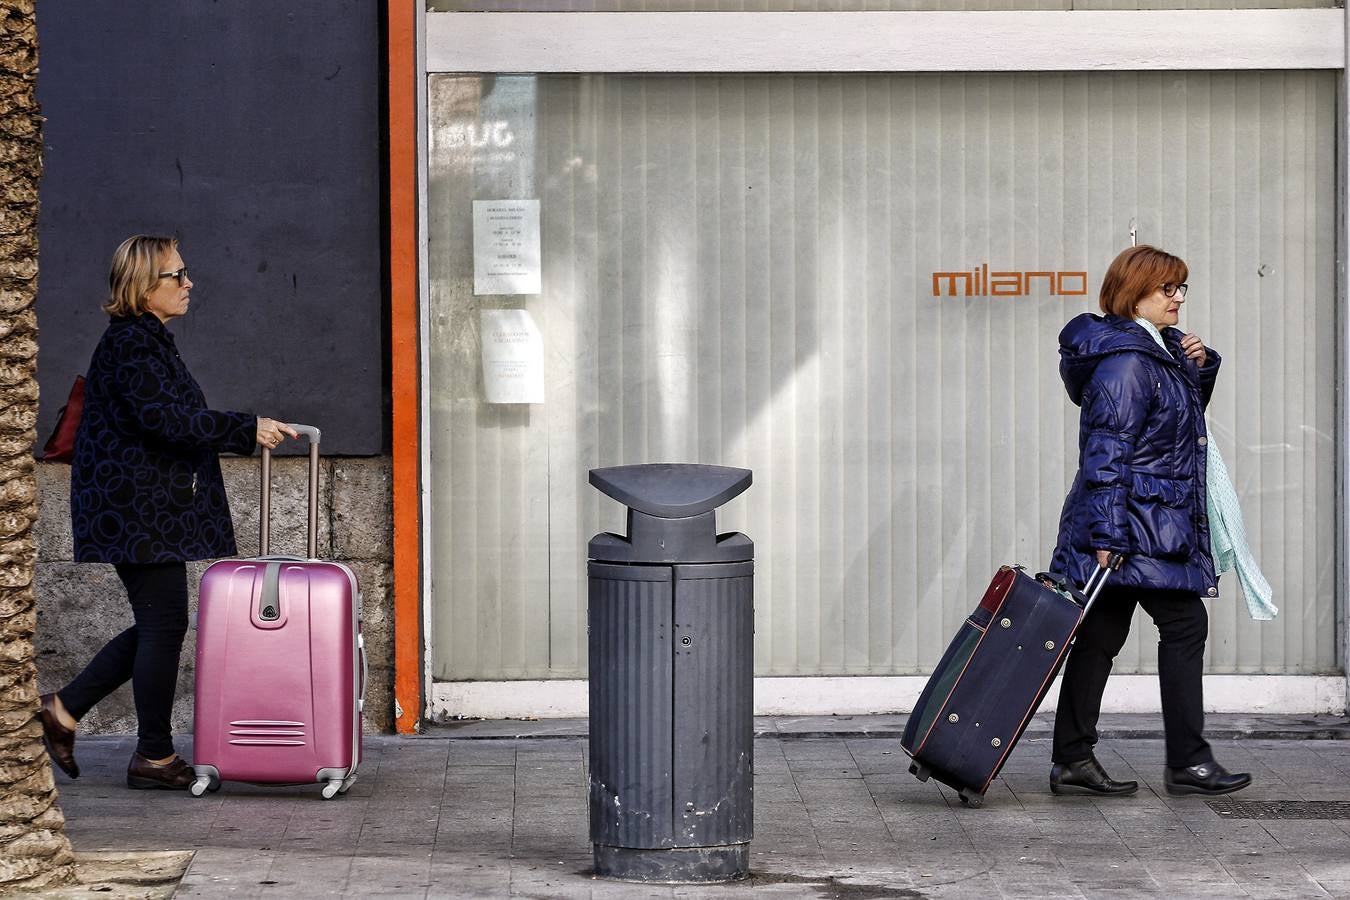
{"x":671,"y":490}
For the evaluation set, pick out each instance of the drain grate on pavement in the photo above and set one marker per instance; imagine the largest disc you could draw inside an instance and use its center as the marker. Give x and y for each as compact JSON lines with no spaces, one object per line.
{"x":1281,"y":809}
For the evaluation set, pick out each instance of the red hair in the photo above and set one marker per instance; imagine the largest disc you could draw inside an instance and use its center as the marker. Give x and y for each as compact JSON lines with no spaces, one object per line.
{"x":1136,"y":273}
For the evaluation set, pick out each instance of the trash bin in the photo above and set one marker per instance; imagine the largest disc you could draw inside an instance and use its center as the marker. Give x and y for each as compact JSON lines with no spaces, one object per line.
{"x":671,"y":650}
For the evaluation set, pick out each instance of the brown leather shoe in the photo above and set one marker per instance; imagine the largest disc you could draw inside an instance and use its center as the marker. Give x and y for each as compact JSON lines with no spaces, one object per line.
{"x":59,"y":739}
{"x":142,"y":774}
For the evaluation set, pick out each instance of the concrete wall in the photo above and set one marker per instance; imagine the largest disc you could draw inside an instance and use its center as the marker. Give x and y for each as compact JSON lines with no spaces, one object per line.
{"x":82,"y":605}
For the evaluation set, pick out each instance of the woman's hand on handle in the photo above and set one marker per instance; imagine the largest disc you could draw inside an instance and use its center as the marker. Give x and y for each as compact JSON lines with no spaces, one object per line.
{"x":271,"y":432}
{"x":1103,"y":558}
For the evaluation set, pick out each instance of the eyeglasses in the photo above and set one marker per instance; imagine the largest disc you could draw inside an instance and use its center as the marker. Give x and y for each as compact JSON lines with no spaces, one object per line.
{"x":181,"y":276}
{"x":1169,"y":290}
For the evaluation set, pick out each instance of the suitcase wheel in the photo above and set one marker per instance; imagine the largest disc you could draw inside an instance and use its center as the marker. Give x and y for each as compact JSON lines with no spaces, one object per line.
{"x":203,"y":784}
{"x":920,"y":772}
{"x":331,"y":789}
{"x":971,"y":799}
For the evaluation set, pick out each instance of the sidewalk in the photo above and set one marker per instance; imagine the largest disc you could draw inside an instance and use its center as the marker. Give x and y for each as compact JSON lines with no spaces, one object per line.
{"x":487,"y":809}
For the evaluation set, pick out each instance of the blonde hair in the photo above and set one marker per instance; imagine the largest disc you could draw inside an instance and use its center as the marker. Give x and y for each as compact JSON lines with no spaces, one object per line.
{"x":1136,"y":273}
{"x":135,"y":272}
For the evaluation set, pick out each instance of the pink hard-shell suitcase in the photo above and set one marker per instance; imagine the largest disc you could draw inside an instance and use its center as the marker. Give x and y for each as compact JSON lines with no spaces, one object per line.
{"x":280,"y":663}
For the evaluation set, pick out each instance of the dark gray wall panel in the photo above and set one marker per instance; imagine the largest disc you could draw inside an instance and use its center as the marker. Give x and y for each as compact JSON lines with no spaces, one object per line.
{"x":252,"y":132}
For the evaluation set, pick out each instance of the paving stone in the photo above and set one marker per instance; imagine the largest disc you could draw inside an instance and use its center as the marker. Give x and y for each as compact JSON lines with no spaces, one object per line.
{"x":482,"y":817}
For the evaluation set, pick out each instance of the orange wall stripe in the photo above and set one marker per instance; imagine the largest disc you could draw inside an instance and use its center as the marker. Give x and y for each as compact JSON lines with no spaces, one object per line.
{"x":402,"y":31}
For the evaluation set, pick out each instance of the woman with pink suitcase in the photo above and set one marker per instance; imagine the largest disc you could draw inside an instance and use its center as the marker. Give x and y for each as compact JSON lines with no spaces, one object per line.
{"x":147,"y":496}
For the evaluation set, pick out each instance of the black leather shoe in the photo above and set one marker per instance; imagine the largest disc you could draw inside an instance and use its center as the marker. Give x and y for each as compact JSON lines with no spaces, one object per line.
{"x":175,"y":775}
{"x":59,"y":739}
{"x":1087,"y":777}
{"x":1207,"y":778}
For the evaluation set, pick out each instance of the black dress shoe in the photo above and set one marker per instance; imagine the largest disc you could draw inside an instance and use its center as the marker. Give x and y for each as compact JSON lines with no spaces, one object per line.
{"x":175,"y":775}
{"x":1207,"y":778}
{"x":59,"y":740}
{"x":1087,"y":777}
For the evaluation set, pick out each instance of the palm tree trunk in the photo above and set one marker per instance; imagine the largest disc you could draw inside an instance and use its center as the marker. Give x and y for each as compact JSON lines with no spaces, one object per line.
{"x":34,"y":851}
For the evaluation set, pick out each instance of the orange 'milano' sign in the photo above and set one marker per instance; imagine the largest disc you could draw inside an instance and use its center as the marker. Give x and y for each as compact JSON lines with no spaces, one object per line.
{"x":980,"y":282}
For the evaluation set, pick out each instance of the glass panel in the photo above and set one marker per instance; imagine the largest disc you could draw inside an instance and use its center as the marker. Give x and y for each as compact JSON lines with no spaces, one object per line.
{"x":749,"y":271}
{"x":852,"y":5}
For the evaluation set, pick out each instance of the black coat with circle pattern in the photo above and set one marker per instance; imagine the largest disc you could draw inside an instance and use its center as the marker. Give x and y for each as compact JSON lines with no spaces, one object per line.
{"x":145,"y":484}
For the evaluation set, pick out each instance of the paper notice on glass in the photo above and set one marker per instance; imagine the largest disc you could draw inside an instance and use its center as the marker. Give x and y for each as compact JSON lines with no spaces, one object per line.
{"x":506,"y":247}
{"x":513,"y":357}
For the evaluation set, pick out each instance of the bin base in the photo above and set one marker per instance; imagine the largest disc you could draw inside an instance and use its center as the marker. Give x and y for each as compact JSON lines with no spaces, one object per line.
{"x":679,"y":865}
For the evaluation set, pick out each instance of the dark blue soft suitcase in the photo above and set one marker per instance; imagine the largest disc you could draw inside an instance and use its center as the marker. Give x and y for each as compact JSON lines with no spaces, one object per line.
{"x":993,"y":677}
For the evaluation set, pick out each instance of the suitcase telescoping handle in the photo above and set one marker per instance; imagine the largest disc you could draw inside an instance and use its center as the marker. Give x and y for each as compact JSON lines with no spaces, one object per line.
{"x":312,"y":532}
{"x":1093,"y":589}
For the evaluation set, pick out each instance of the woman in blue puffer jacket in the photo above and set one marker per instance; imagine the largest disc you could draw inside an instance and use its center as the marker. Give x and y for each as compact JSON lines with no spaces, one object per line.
{"x":1140,"y":492}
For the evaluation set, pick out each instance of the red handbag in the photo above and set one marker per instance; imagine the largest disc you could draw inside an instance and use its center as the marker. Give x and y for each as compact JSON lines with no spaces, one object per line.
{"x":60,"y":447}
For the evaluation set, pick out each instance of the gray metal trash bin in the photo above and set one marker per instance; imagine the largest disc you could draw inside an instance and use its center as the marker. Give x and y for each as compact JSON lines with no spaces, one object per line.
{"x":671,"y":648}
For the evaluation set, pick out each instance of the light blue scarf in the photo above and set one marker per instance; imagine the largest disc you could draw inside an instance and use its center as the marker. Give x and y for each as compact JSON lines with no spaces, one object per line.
{"x":1227,"y":536}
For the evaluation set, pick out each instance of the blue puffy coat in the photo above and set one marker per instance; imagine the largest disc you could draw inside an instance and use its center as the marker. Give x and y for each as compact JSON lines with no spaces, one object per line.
{"x":145,"y":482}
{"x":1140,"y":487}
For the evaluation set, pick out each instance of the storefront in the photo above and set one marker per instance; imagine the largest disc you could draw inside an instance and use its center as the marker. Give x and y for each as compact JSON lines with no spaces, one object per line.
{"x":837,"y":250}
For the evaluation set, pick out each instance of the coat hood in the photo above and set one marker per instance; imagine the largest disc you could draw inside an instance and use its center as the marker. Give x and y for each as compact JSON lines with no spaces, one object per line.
{"x":1089,"y":338}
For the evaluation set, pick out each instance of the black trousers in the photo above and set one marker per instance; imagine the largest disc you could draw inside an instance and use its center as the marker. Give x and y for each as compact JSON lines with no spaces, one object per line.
{"x":146,"y":654}
{"x":1183,"y":625}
